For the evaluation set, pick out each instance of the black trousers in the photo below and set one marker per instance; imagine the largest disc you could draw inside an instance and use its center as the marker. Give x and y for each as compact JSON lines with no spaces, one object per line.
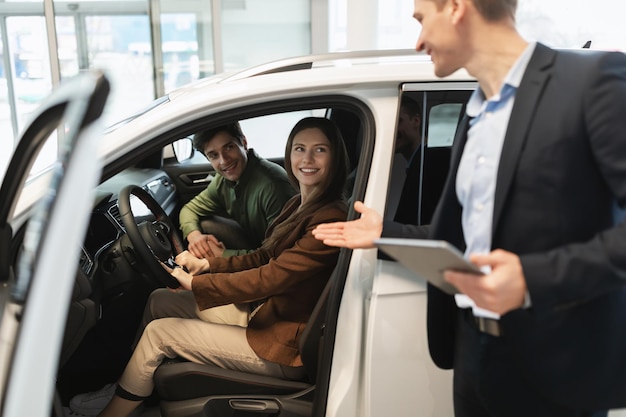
{"x":487,"y":382}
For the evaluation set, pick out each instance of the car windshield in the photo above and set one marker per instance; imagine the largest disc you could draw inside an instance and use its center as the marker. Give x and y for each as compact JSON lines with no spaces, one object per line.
{"x":156,"y":103}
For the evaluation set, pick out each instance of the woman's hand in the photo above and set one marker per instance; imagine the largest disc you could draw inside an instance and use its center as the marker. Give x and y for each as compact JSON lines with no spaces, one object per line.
{"x":194,"y":265}
{"x":184,"y":278}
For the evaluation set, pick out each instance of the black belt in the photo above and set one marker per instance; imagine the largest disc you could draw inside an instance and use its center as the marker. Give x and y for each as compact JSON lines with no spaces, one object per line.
{"x":483,"y":324}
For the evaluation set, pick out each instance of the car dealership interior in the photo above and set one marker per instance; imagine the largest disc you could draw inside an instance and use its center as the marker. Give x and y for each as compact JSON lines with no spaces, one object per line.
{"x":164,"y":72}
{"x":149,"y":47}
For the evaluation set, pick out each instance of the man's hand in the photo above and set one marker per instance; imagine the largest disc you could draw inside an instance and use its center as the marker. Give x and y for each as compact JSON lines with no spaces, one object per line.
{"x":355,"y":234}
{"x":199,"y":244}
{"x":500,"y":291}
{"x":194,"y":265}
{"x":217,"y":248}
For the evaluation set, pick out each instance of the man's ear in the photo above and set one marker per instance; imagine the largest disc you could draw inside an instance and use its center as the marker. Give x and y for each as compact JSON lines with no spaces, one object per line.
{"x":458,"y":8}
{"x":244,"y":142}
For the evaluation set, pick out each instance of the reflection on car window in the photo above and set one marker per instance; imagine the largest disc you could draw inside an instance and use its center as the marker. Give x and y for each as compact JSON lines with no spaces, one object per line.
{"x":442,"y":122}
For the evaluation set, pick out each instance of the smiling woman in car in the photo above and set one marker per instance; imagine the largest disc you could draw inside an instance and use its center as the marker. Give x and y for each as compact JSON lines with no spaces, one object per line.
{"x":284,"y":279}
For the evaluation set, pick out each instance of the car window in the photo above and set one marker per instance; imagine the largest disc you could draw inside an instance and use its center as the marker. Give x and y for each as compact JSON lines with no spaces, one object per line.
{"x":442,"y":122}
{"x":268,"y":134}
{"x":418,"y":175}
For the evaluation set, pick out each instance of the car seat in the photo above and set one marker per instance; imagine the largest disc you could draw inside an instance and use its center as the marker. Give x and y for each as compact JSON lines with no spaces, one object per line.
{"x":191,"y":389}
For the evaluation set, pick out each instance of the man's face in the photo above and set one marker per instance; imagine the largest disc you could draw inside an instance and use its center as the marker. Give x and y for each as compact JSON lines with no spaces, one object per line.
{"x":227,"y":155}
{"x":407,"y":133}
{"x":439,"y":36}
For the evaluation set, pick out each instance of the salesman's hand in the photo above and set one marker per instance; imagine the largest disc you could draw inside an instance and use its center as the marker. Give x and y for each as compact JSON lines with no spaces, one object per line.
{"x":355,"y":234}
{"x":194,"y":265}
{"x":500,"y":291}
{"x":199,"y":244}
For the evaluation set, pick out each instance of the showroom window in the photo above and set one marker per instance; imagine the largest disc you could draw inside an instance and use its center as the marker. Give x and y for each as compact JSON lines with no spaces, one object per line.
{"x":143,"y":61}
{"x":258,"y":31}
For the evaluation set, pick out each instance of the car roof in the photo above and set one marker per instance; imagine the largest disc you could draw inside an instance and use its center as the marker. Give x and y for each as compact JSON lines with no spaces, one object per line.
{"x":342,"y":73}
{"x":334,"y":62}
{"x":332,"y":59}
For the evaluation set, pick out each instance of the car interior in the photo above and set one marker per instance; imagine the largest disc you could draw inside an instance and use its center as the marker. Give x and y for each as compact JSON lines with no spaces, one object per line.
{"x":138,"y":196}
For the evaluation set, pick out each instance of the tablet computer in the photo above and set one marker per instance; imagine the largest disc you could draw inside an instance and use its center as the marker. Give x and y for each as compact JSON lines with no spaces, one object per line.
{"x":428,"y":259}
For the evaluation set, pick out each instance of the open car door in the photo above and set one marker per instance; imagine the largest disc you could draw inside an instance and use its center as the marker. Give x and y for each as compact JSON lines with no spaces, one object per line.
{"x":36,"y":281}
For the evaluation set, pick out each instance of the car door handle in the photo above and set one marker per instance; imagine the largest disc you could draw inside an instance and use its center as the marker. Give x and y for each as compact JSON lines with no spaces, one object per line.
{"x":198,"y":178}
{"x":204,"y":180}
{"x":255,"y":406}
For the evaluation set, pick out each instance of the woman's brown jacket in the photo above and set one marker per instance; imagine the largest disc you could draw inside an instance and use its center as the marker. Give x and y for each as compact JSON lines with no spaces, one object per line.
{"x":290,"y":279}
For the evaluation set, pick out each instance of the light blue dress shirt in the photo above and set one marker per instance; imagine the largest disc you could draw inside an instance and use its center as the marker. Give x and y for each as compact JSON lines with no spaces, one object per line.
{"x":478,"y":169}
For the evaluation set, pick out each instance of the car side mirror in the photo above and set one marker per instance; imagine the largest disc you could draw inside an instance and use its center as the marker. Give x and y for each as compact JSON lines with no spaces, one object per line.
{"x":182,"y":149}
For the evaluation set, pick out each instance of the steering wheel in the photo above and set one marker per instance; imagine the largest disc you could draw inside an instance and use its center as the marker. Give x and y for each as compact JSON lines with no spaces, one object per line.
{"x":152,"y":241}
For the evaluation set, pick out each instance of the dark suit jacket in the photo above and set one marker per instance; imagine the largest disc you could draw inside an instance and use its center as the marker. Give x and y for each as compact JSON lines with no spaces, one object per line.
{"x":562,"y":169}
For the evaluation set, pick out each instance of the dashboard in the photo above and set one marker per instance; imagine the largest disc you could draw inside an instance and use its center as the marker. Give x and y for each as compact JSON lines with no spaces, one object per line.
{"x":105,"y":252}
{"x":109,"y":282}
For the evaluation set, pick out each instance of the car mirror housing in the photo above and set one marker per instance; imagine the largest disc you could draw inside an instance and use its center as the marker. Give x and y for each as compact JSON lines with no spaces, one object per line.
{"x":183,"y":149}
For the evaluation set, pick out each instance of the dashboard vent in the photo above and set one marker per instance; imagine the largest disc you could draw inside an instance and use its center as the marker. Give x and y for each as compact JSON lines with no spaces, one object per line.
{"x":85,"y":263}
{"x":114,"y":211}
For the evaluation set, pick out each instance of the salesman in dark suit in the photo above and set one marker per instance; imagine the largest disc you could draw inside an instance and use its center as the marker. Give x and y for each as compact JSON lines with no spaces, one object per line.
{"x":538,"y":171}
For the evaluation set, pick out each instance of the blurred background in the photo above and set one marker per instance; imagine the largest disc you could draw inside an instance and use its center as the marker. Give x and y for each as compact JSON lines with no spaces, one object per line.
{"x":150,"y":47}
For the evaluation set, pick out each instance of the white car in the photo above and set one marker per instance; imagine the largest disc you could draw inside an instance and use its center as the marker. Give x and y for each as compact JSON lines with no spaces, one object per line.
{"x":365,"y":348}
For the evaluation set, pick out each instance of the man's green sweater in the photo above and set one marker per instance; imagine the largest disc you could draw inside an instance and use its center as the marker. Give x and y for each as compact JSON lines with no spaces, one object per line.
{"x":253,"y":201}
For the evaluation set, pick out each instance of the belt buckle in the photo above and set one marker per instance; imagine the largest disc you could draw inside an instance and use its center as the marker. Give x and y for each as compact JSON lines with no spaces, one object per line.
{"x":489,"y":326}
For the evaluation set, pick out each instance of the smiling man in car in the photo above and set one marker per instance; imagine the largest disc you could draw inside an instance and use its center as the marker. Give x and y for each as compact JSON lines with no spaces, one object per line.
{"x":247,"y":189}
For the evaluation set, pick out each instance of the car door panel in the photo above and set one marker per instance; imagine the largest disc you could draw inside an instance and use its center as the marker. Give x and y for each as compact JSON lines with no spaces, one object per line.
{"x":396,"y":371}
{"x":35,"y":312}
{"x":190,"y":179}
{"x":398,"y":315}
